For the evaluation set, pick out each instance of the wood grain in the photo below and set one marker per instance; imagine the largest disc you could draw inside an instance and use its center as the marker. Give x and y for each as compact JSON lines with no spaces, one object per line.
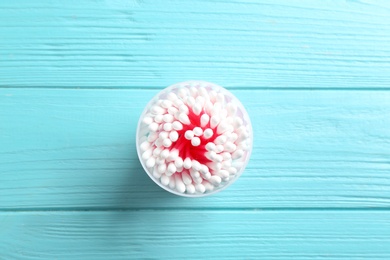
{"x":195,"y":234}
{"x":238,"y":44}
{"x":75,"y":149}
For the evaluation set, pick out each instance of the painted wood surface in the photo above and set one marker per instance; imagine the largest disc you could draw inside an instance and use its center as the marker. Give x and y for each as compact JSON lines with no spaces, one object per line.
{"x":314,"y":76}
{"x":76,"y":149}
{"x":189,"y":234}
{"x":238,"y":43}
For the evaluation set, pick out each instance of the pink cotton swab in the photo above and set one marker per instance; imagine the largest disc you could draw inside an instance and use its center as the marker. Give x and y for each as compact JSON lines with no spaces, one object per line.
{"x":194,"y":138}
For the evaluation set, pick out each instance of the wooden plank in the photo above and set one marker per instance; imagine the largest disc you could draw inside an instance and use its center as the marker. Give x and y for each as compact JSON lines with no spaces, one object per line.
{"x":195,"y":234}
{"x":75,"y":149}
{"x":242,"y":43}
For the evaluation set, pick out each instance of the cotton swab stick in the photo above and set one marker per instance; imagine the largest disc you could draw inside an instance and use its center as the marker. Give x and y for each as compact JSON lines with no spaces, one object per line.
{"x":194,"y":138}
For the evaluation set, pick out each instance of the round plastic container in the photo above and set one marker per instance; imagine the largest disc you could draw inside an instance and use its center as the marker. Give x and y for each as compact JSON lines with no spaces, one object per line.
{"x":194,"y":138}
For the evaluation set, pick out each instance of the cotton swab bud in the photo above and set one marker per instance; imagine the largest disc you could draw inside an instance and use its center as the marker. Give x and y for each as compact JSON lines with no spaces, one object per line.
{"x":150,"y":162}
{"x":243,"y":136}
{"x":168,"y":118}
{"x":187,"y":164}
{"x":179,"y":162}
{"x":184,"y":109}
{"x":194,"y":174}
{"x":230,"y":147}
{"x":183,"y":118}
{"x":173,"y":136}
{"x":190,"y":189}
{"x":219,"y":148}
{"x":156,"y":173}
{"x":186,"y":178}
{"x":171,"y":169}
{"x":143,"y":138}
{"x":210,"y":146}
{"x":172,"y":182}
{"x":167,"y":127}
{"x":216,"y":180}
{"x":232,"y":170}
{"x":144,"y":146}
{"x":203,"y":92}
{"x":157,"y":151}
{"x":243,"y":146}
{"x":172,"y":96}
{"x":215,"y":166}
{"x":180,"y":187}
{"x":222,"y":128}
{"x":238,"y":122}
{"x":220,"y":139}
{"x":237,"y":154}
{"x":208,"y":107}
{"x":163,"y":135}
{"x":162,"y":168}
{"x":173,"y":111}
{"x":160,"y":161}
{"x":167,"y":142}
{"x":208,"y":186}
{"x":218,"y":158}
{"x":198,"y":131}
{"x":223,"y":174}
{"x":200,"y":100}
{"x":173,"y":155}
{"x":198,"y":180}
{"x":190,"y":101}
{"x":166,"y":104}
{"x":214,"y":121}
{"x":148,"y":120}
{"x":189,"y":135}
{"x":159,"y":142}
{"x":204,"y":120}
{"x":157,"y":110}
{"x":220,"y":98}
{"x":196,"y":165}
{"x":232,"y":137}
{"x":231,"y":109}
{"x":200,"y":188}
{"x":197,"y":108}
{"x":212,"y":155}
{"x":209,"y":157}
{"x":227,"y":163}
{"x":207,"y":176}
{"x":208,"y":133}
{"x":213,"y":95}
{"x":178,"y":103}
{"x":193,"y":91}
{"x":194,"y":139}
{"x":153,"y":127}
{"x":183,"y":92}
{"x":164,"y":154}
{"x":177,"y":126}
{"x":216,"y":108}
{"x":164,"y":180}
{"x":146,"y":155}
{"x":204,"y":169}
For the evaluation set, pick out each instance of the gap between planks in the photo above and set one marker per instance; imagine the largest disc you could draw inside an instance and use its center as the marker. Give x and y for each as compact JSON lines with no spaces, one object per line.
{"x":227,"y":87}
{"x":197,"y":209}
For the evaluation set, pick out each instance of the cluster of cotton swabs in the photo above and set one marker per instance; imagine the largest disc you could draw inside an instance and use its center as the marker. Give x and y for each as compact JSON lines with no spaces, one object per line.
{"x":193,"y":140}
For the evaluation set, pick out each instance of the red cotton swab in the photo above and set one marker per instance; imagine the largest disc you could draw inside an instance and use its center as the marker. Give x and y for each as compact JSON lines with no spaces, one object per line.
{"x":194,"y":138}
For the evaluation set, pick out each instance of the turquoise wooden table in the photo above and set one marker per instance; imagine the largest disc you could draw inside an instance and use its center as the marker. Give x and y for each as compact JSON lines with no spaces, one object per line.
{"x":313,"y":75}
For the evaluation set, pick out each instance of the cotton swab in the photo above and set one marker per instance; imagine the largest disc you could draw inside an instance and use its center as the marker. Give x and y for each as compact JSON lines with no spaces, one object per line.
{"x":194,"y":138}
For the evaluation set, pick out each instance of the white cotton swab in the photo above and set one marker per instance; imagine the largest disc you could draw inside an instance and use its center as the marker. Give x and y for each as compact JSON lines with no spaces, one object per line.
{"x":194,"y":139}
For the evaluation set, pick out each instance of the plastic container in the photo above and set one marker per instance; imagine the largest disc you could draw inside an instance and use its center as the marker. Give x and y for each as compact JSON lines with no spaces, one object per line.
{"x":194,"y":138}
